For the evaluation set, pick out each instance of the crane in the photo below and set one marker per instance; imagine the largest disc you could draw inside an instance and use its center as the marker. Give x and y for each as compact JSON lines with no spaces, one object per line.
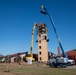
{"x":32,"y":41}
{"x":56,"y":61}
{"x":32,"y":45}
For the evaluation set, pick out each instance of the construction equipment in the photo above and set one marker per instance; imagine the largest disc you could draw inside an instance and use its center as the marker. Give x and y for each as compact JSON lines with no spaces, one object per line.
{"x":32,"y":46}
{"x":56,"y":61}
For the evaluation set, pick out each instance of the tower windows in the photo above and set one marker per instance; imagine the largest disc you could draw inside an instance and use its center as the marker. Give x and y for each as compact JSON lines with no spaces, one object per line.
{"x":39,"y":41}
{"x":39,"y":47}
{"x":39,"y":36}
{"x":45,"y":37}
{"x":40,"y":53}
{"x":40,"y":58}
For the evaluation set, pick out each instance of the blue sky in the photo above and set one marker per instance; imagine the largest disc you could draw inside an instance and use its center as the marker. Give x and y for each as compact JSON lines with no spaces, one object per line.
{"x":17,"y":18}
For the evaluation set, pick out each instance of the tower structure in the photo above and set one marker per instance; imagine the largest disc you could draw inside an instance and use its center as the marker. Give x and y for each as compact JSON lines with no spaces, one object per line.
{"x":42,"y":42}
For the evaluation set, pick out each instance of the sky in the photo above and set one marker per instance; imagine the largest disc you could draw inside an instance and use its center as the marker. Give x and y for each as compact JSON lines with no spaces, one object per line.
{"x":17,"y":18}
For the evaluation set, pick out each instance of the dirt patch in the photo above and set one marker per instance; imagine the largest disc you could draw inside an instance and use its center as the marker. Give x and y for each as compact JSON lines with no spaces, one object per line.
{"x":71,"y":67}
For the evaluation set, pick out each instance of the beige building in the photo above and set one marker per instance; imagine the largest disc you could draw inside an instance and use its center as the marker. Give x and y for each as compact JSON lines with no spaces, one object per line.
{"x":13,"y":57}
{"x":42,"y":43}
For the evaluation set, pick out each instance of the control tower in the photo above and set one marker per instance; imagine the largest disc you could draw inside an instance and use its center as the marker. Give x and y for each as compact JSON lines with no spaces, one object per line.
{"x":42,"y":42}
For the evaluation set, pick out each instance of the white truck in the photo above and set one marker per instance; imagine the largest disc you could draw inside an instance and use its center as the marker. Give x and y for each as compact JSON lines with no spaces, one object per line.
{"x":58,"y":61}
{"x":70,"y":62}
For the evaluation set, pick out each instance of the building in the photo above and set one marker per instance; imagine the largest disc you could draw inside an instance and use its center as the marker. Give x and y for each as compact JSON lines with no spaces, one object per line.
{"x":42,"y":43}
{"x":23,"y":55}
{"x":72,"y":55}
{"x":2,"y":59}
{"x":13,"y":57}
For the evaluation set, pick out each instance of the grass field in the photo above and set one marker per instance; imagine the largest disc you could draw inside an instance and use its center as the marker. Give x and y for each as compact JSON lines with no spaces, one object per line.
{"x":35,"y":69}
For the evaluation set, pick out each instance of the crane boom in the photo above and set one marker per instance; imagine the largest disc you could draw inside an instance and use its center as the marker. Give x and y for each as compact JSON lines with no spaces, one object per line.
{"x":32,"y":41}
{"x":45,"y":12}
{"x":64,"y":54}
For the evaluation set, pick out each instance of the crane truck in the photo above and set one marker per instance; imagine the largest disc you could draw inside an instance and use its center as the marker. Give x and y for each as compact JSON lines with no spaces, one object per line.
{"x":58,"y":61}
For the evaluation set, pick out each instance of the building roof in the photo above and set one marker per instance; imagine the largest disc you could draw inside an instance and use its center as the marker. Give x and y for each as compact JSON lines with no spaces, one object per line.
{"x":71,"y":52}
{"x":74,"y":50}
{"x":16,"y":54}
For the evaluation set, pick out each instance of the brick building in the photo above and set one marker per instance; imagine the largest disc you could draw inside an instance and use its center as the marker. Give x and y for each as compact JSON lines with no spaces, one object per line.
{"x":72,"y":55}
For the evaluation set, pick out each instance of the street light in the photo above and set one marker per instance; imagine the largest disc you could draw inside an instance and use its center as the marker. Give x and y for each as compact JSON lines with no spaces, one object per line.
{"x":45,"y":12}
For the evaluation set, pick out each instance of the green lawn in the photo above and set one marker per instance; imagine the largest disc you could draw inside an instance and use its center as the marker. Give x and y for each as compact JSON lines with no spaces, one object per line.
{"x":44,"y":71}
{"x":36,"y":69}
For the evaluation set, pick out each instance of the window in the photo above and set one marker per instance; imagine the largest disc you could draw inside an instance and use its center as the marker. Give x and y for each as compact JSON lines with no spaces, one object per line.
{"x":40,"y":53}
{"x":39,"y":41}
{"x":39,"y":36}
{"x":39,"y":47}
{"x":40,"y":58}
{"x":45,"y":37}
